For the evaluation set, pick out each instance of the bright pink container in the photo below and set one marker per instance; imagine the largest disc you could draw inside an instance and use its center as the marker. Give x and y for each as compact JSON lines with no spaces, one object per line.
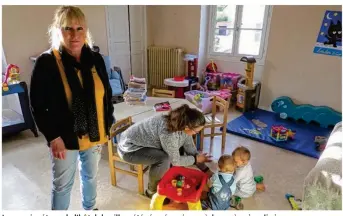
{"x":229,"y":80}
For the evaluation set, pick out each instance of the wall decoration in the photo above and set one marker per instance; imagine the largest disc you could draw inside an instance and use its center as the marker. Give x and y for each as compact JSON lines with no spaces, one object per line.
{"x":329,"y":40}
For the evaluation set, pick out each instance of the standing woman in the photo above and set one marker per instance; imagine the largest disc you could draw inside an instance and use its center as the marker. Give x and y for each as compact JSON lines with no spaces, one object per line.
{"x":71,"y":102}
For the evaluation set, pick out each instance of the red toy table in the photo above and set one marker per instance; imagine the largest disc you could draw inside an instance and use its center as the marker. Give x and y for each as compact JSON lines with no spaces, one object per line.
{"x":194,"y":178}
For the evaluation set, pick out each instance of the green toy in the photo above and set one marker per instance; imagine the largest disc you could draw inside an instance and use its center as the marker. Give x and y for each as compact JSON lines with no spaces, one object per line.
{"x":197,"y":98}
{"x":259,"y":183}
{"x":258,"y":179}
{"x":180,"y":181}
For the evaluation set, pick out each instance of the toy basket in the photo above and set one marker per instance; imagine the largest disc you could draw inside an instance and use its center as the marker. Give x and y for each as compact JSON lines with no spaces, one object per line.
{"x":195,"y":178}
{"x":202,"y":100}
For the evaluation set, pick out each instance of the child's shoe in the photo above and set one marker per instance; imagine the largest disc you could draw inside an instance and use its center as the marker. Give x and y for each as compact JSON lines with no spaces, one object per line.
{"x":236,"y":202}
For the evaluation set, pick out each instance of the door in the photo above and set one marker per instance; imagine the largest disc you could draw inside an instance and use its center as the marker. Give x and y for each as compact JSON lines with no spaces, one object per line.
{"x":126,"y":39}
{"x":118,"y":38}
{"x":137,"y":34}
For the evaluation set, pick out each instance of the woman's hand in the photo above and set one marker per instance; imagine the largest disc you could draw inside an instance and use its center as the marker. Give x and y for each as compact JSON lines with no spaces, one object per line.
{"x":58,"y":149}
{"x":203,"y":157}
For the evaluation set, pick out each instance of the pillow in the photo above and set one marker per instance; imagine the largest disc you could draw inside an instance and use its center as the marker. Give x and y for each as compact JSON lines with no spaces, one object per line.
{"x":115,"y":75}
{"x":107,"y":61}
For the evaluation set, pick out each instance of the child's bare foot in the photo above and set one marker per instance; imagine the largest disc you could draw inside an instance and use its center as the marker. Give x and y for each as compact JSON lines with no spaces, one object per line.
{"x":260,"y":187}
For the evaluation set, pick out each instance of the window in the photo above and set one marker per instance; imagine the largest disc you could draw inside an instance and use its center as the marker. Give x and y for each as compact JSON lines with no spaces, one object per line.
{"x":238,"y":30}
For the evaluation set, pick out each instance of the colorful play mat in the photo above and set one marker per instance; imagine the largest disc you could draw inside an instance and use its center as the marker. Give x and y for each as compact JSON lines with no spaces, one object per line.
{"x":258,"y":124}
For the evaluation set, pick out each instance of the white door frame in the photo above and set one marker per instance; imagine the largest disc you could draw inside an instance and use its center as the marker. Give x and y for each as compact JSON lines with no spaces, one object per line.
{"x":110,"y":52}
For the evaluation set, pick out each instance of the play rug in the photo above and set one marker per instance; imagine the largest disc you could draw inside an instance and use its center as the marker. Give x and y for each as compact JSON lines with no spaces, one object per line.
{"x":257,"y":125}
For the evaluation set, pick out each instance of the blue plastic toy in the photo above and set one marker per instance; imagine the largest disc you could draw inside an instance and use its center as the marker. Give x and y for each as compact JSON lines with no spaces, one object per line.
{"x":323,"y":115}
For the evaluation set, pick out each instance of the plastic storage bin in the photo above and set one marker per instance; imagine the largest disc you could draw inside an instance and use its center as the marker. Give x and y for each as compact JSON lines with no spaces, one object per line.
{"x":202,"y":100}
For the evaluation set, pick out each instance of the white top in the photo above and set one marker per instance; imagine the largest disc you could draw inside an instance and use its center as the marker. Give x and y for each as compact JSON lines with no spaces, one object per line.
{"x":173,"y":83}
{"x":246,"y":185}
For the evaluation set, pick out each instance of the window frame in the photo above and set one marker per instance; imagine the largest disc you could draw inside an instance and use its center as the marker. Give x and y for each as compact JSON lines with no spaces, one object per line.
{"x":235,"y":56}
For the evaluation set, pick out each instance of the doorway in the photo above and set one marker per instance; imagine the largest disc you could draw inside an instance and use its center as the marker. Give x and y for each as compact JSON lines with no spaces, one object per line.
{"x":126,"y":31}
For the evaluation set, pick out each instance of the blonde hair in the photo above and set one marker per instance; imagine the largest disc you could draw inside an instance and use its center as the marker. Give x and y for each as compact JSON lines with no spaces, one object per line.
{"x":242,"y":152}
{"x":64,"y":15}
{"x":226,"y":163}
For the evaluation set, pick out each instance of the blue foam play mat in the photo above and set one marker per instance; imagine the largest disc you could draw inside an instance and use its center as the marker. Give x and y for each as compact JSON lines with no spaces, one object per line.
{"x":257,"y":125}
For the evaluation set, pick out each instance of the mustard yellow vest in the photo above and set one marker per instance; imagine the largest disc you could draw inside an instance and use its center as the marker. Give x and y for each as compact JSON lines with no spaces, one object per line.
{"x":84,"y":142}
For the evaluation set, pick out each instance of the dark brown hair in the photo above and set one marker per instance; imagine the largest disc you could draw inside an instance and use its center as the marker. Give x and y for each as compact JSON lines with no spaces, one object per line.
{"x":224,"y":161}
{"x":184,"y":116}
{"x":241,"y":151}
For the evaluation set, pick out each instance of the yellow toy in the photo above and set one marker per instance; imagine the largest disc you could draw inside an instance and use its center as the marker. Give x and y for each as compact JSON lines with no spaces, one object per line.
{"x":157,"y":202}
{"x":248,"y":95}
{"x":5,"y":87}
{"x":249,"y":70}
{"x":12,"y":75}
{"x":295,"y":203}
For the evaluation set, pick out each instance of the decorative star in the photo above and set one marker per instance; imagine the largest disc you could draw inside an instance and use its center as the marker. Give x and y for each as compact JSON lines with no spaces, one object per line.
{"x":335,"y":14}
{"x":325,"y":24}
{"x":322,"y":33}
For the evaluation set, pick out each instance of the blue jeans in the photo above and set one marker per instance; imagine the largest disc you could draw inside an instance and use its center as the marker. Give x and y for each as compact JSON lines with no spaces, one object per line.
{"x":63,"y":172}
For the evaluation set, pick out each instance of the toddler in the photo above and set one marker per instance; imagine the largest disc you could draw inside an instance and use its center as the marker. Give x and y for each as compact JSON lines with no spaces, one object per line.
{"x":222,"y":185}
{"x":244,"y":176}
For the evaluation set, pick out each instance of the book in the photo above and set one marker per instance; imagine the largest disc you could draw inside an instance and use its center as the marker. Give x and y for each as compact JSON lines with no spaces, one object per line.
{"x":137,"y":80}
{"x":136,"y":92}
{"x":137,"y":85}
{"x":163,"y":106}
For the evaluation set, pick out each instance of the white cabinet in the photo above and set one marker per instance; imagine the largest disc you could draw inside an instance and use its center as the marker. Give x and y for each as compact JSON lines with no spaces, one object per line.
{"x":127,"y":38}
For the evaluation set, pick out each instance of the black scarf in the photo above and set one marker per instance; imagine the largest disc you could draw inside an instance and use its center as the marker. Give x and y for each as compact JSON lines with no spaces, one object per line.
{"x":83,"y":95}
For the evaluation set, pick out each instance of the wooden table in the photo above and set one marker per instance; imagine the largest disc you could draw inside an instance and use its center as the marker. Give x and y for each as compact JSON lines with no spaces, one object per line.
{"x":140,"y":112}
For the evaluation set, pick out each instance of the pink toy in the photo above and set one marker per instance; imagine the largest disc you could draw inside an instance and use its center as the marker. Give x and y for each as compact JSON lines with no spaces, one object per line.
{"x":12,"y":74}
{"x":223,"y":93}
{"x":229,"y":80}
{"x":213,"y":80}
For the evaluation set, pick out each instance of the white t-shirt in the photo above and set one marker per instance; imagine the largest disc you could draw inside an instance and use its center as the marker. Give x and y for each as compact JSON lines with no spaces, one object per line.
{"x":246,"y":185}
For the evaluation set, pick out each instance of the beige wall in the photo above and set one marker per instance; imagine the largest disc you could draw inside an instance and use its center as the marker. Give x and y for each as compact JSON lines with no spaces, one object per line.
{"x":24,"y":32}
{"x":292,"y":69}
{"x":174,"y":25}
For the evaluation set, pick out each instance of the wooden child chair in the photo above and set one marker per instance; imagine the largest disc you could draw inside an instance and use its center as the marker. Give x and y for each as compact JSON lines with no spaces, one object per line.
{"x":163,"y":93}
{"x":213,"y":122}
{"x":113,"y":157}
